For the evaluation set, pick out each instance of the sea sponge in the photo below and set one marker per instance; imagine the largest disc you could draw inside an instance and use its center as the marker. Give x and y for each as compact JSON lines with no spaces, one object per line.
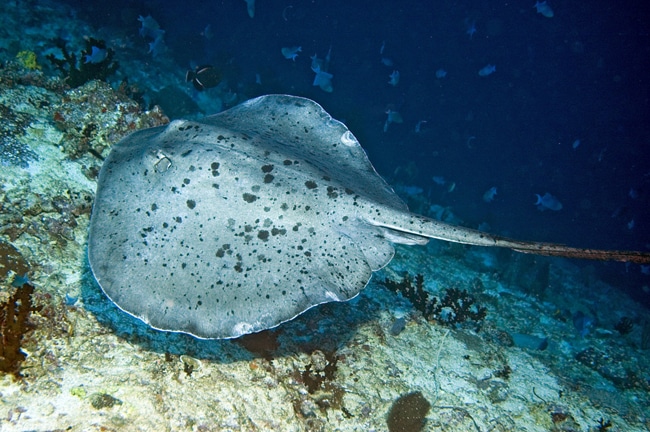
{"x":27,"y":59}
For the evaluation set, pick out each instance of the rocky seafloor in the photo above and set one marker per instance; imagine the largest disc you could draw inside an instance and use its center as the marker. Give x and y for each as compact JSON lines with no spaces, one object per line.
{"x":556,"y":350}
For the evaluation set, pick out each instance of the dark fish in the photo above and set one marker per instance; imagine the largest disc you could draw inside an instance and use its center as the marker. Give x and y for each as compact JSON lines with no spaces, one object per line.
{"x":203,"y":77}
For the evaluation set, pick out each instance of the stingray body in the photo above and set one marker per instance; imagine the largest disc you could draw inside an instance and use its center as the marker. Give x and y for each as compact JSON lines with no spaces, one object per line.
{"x":246,"y":219}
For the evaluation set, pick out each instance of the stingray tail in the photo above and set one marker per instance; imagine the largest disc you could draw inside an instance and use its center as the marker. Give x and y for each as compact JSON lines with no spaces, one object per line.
{"x":430,"y":228}
{"x":551,"y":249}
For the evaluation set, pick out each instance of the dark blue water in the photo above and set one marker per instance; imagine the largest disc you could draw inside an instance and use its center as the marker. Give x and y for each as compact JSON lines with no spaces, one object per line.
{"x":582,"y":74}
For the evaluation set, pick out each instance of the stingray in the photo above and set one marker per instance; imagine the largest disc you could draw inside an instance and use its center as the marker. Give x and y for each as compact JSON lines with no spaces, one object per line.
{"x":245,"y":219}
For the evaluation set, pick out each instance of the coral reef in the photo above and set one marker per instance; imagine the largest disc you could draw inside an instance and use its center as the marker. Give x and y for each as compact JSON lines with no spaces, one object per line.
{"x":624,"y":326}
{"x":27,"y":59}
{"x":455,"y":307}
{"x":14,"y":323}
{"x":94,"y":116}
{"x":103,"y":400}
{"x":12,"y":263}
{"x":623,"y":372}
{"x":13,"y":150}
{"x":321,"y":370}
{"x":77,"y":72}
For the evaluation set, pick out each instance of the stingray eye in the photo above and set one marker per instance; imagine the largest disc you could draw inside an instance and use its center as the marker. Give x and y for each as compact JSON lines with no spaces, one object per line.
{"x":163,"y":163}
{"x":348,"y":139}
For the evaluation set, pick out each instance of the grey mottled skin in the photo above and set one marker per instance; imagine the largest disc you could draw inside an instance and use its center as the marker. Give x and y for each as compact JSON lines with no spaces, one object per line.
{"x":248,"y":218}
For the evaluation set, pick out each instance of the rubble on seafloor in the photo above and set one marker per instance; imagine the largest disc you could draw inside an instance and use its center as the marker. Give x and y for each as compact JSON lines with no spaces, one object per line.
{"x":343,"y":366}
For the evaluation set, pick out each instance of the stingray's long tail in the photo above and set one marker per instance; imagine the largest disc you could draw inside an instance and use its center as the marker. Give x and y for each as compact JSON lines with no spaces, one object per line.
{"x":551,"y":249}
{"x":431,"y":228}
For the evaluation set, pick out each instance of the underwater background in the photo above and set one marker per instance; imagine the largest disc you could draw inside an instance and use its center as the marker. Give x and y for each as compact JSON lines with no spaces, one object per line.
{"x":576,"y":79}
{"x":563,"y":344}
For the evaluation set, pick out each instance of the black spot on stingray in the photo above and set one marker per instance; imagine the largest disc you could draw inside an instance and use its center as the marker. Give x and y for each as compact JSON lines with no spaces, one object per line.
{"x":267,"y":168}
{"x":326,"y":178}
{"x":331,"y":192}
{"x":311,"y":184}
{"x":263,"y":235}
{"x":286,"y":162}
{"x":249,"y":198}
{"x":214,"y":166}
{"x":268,"y":178}
{"x":221,"y":137}
{"x":186,"y":181}
{"x":349,"y":191}
{"x":154,"y":207}
{"x":238,"y":268}
{"x":178,"y":219}
{"x":284,"y":206}
{"x":185,"y":153}
{"x":191,"y":204}
{"x":276,"y":231}
{"x":192,"y":168}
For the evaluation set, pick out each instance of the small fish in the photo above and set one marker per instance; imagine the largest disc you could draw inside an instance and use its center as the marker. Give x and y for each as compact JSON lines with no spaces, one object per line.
{"x":471,"y":28}
{"x":250,"y":8}
{"x":207,"y":32}
{"x":157,"y":45}
{"x":97,"y":55}
{"x":150,"y":27}
{"x":441,"y":213}
{"x":441,"y":73}
{"x":645,"y":269}
{"x":392,"y":117}
{"x":439,"y":180}
{"x":633,"y":193}
{"x":381,"y":49}
{"x":316,"y":62}
{"x":488,"y":195}
{"x":487,"y":70}
{"x":583,"y":323}
{"x":203,"y":77}
{"x":290,"y":53}
{"x":323,"y":80}
{"x":548,"y":202}
{"x":575,"y":144}
{"x":630,"y":224}
{"x":386,"y":62}
{"x":418,"y":126}
{"x":411,"y":190}
{"x":544,"y":9}
{"x":394,"y":78}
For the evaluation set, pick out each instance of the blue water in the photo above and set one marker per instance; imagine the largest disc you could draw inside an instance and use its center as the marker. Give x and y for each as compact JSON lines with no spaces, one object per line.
{"x":581,"y":75}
